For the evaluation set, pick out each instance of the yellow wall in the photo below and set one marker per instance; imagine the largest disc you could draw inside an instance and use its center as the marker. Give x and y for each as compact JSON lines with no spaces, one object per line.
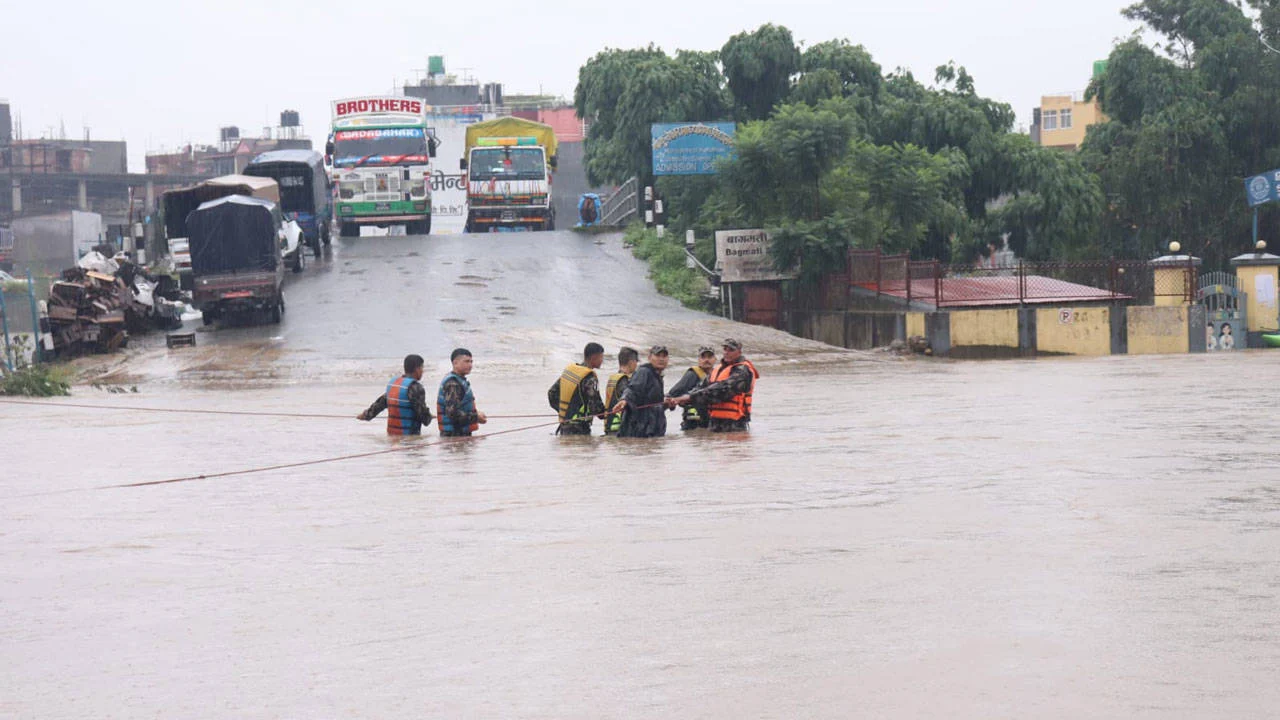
{"x":915,"y":324}
{"x":986,"y":328}
{"x":1157,"y":330}
{"x":1083,"y":114}
{"x":1263,"y":312}
{"x":1074,"y":331}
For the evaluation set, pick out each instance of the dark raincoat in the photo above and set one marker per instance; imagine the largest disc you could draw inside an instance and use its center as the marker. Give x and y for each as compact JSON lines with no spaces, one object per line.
{"x":645,"y":388}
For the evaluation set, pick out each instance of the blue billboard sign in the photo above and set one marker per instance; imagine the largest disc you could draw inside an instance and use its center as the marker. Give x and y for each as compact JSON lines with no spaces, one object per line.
{"x":1262,"y":189}
{"x":690,"y":148}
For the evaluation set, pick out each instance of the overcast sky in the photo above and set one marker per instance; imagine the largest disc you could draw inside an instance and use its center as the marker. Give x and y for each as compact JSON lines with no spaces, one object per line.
{"x":162,"y":73}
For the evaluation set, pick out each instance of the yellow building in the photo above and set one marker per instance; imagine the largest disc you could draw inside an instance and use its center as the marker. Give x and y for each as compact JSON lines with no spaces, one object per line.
{"x":1061,"y":120}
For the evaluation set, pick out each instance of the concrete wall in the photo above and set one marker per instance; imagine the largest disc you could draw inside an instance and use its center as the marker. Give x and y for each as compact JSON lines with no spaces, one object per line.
{"x":1260,"y":282}
{"x":915,"y":324}
{"x":1159,"y":330}
{"x":1011,"y":332}
{"x":989,"y":333}
{"x":1074,"y":331}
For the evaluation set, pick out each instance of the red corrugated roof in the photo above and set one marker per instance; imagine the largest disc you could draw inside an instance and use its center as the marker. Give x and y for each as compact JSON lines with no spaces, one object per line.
{"x":997,"y":291}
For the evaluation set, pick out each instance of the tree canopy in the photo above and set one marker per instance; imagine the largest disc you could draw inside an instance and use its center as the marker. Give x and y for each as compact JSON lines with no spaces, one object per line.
{"x":833,"y":152}
{"x":1188,"y":119}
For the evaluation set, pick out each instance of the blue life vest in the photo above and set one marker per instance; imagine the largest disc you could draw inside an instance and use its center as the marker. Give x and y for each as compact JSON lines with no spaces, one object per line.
{"x":402,"y":419}
{"x":468,"y":406}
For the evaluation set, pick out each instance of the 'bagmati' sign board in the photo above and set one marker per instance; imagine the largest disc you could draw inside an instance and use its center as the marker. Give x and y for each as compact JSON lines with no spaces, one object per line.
{"x":743,"y":256}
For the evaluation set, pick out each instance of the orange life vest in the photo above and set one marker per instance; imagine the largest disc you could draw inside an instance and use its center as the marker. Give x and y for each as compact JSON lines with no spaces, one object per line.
{"x":737,"y":407}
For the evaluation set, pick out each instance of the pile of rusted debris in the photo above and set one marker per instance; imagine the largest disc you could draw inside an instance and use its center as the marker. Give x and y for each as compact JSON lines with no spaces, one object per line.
{"x":87,"y":312}
{"x":95,"y":306}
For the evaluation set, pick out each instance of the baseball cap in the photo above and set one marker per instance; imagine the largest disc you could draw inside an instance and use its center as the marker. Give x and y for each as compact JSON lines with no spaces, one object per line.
{"x":733,"y":344}
{"x":658,"y":350}
{"x":706,"y":350}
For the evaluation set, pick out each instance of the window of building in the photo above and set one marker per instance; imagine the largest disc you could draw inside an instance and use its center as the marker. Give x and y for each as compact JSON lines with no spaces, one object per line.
{"x":1049,"y":120}
{"x":1064,"y":118}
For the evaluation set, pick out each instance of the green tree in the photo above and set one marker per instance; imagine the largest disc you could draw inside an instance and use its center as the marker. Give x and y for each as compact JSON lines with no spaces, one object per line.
{"x":622,"y":92}
{"x":758,"y":67}
{"x":1189,"y":119}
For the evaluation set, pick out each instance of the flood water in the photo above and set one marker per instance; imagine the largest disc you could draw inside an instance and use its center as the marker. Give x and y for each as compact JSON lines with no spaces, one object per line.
{"x":894,"y":538}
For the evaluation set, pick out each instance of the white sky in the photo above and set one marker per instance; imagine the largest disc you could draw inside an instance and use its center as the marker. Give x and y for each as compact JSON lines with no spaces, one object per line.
{"x":161,"y":73}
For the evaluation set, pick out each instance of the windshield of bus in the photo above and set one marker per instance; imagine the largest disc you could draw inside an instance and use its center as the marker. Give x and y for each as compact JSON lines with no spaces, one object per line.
{"x":508,"y":164}
{"x":387,"y":146}
{"x":294,"y":182}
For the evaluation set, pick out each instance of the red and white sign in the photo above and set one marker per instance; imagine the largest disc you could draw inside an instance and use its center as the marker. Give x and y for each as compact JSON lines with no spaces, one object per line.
{"x":377,"y":106}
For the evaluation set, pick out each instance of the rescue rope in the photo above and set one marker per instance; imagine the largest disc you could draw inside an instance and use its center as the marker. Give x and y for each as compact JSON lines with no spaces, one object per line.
{"x":322,"y":461}
{"x":250,"y":413}
{"x":343,"y":458}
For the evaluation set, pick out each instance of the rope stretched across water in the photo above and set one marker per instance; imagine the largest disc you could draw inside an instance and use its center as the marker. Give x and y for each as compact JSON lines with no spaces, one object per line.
{"x":343,"y":458}
{"x":322,"y":461}
{"x":246,"y":413}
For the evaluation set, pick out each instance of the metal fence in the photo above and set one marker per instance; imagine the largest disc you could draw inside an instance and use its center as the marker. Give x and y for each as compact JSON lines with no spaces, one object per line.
{"x":623,"y":205}
{"x":1019,"y":283}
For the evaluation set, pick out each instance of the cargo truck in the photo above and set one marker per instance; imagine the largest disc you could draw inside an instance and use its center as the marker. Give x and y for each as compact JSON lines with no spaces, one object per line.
{"x":509,"y":164}
{"x":381,"y":152}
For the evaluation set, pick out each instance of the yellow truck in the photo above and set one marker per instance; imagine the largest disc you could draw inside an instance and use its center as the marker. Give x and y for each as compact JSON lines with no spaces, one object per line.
{"x":509,"y":164}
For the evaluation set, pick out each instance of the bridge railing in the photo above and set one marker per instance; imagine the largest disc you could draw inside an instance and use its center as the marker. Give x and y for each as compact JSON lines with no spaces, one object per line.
{"x":623,"y":205}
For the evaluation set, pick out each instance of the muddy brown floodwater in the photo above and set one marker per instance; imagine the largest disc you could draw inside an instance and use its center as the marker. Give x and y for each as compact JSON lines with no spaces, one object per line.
{"x":895,"y":538}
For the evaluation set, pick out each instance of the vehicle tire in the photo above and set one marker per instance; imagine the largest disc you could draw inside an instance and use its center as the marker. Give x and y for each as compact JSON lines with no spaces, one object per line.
{"x":349,"y":230}
{"x":550,"y":224}
{"x":208,"y":318}
{"x":277,"y":311}
{"x":317,"y":246}
{"x":299,"y":259}
{"x":426,"y":226}
{"x":326,"y":233}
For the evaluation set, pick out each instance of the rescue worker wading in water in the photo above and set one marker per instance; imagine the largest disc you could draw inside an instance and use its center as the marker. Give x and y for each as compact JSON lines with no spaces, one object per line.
{"x":405,"y":400}
{"x":729,"y":390}
{"x":643,"y":402}
{"x":695,"y":415}
{"x":628,"y":361}
{"x":576,"y":395}
{"x":455,"y":403}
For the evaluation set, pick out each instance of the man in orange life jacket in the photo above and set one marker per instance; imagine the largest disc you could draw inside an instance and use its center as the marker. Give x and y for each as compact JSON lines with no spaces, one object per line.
{"x":729,"y":390}
{"x":575,"y":395}
{"x":455,"y":403}
{"x":406,"y":401}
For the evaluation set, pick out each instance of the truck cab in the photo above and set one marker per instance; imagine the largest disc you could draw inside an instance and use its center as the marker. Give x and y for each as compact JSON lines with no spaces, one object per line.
{"x":509,"y":164}
{"x":381,"y":151}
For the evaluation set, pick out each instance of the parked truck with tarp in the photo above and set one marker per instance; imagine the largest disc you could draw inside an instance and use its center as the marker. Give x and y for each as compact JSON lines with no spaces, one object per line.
{"x":176,"y":206}
{"x":236,"y":262}
{"x":509,"y":164}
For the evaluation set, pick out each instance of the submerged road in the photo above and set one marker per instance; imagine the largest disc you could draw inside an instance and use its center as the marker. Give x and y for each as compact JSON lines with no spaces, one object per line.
{"x":1059,"y":538}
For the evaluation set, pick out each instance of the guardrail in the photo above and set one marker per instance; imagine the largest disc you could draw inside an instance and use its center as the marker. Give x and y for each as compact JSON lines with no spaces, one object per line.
{"x":623,"y":205}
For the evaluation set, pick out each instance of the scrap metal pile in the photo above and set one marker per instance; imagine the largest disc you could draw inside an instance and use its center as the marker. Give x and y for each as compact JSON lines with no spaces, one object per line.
{"x":95,"y":306}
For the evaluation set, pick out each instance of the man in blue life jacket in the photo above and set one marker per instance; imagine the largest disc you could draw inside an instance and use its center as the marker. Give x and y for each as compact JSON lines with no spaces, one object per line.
{"x":405,"y":400}
{"x":455,"y":403}
{"x":575,"y":395}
